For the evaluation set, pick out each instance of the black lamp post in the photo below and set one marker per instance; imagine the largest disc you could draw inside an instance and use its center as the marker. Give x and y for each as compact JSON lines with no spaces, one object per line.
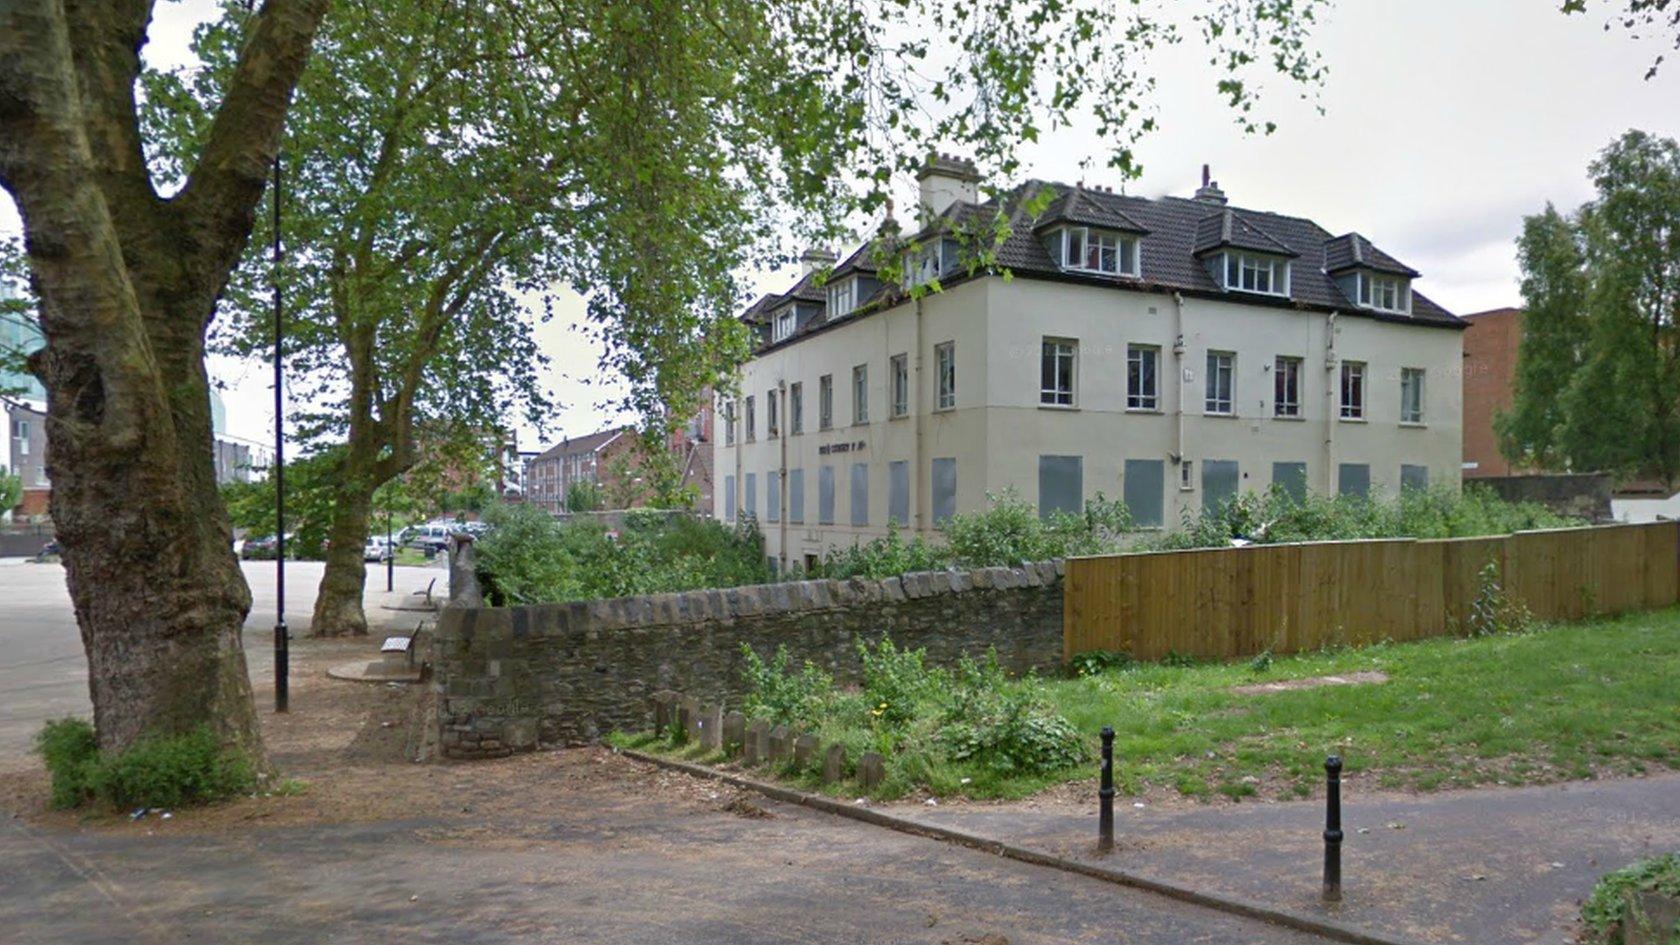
{"x":282,"y":636}
{"x":390,"y":552}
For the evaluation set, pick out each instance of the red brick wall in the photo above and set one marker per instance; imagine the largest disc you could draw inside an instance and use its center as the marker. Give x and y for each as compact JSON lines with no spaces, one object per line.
{"x":1490,"y":361}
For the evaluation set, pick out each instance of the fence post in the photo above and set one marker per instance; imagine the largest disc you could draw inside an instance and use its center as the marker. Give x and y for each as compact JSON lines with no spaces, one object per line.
{"x":1333,"y":829}
{"x":1105,"y":794}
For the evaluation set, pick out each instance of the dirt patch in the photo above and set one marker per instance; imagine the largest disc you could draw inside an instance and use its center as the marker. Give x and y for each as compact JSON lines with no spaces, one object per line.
{"x":742,"y":805}
{"x":1362,"y":678}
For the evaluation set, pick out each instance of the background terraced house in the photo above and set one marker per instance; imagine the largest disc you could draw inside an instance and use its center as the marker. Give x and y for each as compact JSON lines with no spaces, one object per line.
{"x":1172,"y":352}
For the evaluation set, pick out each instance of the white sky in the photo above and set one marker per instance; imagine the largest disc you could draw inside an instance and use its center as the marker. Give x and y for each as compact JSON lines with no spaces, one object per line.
{"x":1445,"y":122}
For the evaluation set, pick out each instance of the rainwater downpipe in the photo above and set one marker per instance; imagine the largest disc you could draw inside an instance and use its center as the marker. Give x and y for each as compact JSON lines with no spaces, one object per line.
{"x":781,"y":474}
{"x":918,"y":411}
{"x":1178,"y":404}
{"x":1330,"y":406}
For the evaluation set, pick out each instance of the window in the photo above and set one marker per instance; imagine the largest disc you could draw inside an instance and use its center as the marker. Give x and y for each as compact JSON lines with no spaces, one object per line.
{"x":20,"y":436}
{"x":1219,"y":483}
{"x":782,"y":329}
{"x":1221,"y":381}
{"x":825,"y":495}
{"x":772,"y":423}
{"x":1060,"y":485}
{"x":825,"y":402}
{"x":796,"y":496}
{"x":749,"y":498}
{"x":860,"y":494}
{"x":900,"y":365}
{"x":1353,"y":390}
{"x":750,"y":413}
{"x":944,"y":489}
{"x":1383,"y":293}
{"x":1056,"y":370}
{"x":796,"y":409}
{"x":842,"y":298}
{"x":1290,"y":479}
{"x":1097,"y":251}
{"x":729,"y":498}
{"x":1143,"y":383}
{"x":1186,"y":477}
{"x":1144,"y":491}
{"x":1286,"y":387}
{"x":860,"y":394}
{"x":1354,"y":479}
{"x":1251,"y":273}
{"x":922,"y":265}
{"x":1413,"y":477}
{"x":945,"y":369}
{"x":898,"y":492}
{"x":1411,"y":395}
{"x":772,"y":496}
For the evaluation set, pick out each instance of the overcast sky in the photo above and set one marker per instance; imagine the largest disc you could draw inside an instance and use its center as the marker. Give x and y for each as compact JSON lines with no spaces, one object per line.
{"x":1445,"y":121}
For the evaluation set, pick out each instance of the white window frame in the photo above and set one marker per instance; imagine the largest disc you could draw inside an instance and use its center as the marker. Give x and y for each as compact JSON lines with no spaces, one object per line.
{"x":825,"y":402}
{"x":899,"y":372}
{"x":1352,"y":378}
{"x":1141,"y":399}
{"x":1060,"y":352}
{"x":923,"y":264}
{"x":782,"y":328}
{"x":1287,"y":373}
{"x":842,"y":298}
{"x":20,"y":435}
{"x":860,"y":394}
{"x":729,"y":422}
{"x":1240,"y":268}
{"x":1411,"y":395}
{"x":1385,"y":293}
{"x":1082,"y":250}
{"x":752,"y":434}
{"x":1221,"y":366}
{"x":772,"y":426}
{"x":945,"y":373}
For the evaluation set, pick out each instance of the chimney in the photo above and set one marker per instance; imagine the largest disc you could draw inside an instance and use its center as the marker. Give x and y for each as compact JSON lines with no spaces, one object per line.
{"x":1209,"y":192}
{"x":816,"y":258}
{"x":946,"y":179}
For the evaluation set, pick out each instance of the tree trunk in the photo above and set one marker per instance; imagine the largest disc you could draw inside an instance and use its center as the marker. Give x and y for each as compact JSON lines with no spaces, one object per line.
{"x":338,"y":603}
{"x":127,"y":283}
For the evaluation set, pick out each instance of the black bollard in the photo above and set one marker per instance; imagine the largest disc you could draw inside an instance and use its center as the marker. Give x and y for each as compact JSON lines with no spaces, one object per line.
{"x":1105,"y":794}
{"x":1333,"y":829}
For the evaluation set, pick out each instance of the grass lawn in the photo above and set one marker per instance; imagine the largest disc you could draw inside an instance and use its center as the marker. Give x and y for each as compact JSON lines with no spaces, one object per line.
{"x":1557,"y":703}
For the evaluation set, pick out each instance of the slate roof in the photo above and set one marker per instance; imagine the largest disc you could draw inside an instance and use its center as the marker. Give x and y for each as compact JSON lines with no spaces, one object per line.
{"x":1077,"y":207}
{"x":584,"y":444}
{"x":1351,"y":251}
{"x":1176,"y":230}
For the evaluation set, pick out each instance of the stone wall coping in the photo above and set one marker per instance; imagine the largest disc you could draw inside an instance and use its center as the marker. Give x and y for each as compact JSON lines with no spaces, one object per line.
{"x":684,"y":608}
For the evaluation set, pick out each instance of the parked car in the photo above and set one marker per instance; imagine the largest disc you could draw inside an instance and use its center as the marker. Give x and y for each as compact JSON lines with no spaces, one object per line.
{"x":430,"y":538}
{"x":262,"y":549}
{"x":376,"y":549}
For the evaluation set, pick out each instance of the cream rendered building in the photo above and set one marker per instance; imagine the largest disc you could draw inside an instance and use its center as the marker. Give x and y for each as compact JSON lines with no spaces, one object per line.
{"x":1170,"y":353}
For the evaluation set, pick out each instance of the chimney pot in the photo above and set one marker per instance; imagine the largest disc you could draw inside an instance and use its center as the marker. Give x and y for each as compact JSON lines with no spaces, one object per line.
{"x":815,"y":258}
{"x":946,"y":179}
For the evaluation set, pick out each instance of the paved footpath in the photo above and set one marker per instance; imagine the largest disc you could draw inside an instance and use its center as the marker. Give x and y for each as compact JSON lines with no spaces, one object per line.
{"x":607,"y":870}
{"x":1489,"y":866}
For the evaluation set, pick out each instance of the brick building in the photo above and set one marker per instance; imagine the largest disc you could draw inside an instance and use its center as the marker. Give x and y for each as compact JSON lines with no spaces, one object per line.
{"x":1490,"y":365}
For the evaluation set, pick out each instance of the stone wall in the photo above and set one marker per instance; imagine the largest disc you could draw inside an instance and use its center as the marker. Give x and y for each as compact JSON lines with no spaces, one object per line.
{"x":1583,"y":495}
{"x":512,"y":678}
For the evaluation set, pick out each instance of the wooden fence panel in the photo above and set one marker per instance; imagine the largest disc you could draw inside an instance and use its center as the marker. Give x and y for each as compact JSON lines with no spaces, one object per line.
{"x":1229,"y":602}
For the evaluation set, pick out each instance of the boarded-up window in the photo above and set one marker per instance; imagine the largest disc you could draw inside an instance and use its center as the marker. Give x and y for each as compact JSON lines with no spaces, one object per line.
{"x":749,"y":501}
{"x":772,"y":497}
{"x":1145,"y":491}
{"x":796,"y":496}
{"x":1061,"y":484}
{"x":944,"y":489}
{"x":1414,"y":477}
{"x":898,"y":492}
{"x":1354,"y":479}
{"x":1219,"y":483}
{"x":729,"y":498}
{"x":825,"y":495}
{"x":1292,"y":479}
{"x":860,"y":493}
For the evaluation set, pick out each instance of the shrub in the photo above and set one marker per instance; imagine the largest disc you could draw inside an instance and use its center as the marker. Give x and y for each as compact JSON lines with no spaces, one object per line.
{"x":896,"y":682}
{"x":782,"y":696}
{"x":156,"y":771}
{"x":884,"y":557}
{"x":1493,"y":611}
{"x":1605,"y":911}
{"x":69,"y":748}
{"x":1096,"y":662}
{"x":1009,"y":531}
{"x":1006,"y":729}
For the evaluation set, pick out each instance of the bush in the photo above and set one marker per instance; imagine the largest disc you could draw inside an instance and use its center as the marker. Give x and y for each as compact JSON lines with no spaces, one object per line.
{"x":1002,"y":728}
{"x":1011,"y":532}
{"x":156,"y":771}
{"x":1605,"y":911}
{"x":883,"y":557}
{"x":1097,"y":662}
{"x":781,"y":696}
{"x":896,"y":681}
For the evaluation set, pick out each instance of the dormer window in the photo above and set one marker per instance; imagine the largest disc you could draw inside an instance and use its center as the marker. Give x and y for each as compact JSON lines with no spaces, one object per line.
{"x":842,"y":298}
{"x":1084,"y":249}
{"x":923,"y":264}
{"x":782,"y":328}
{"x":1385,"y":293}
{"x":1253,"y":272}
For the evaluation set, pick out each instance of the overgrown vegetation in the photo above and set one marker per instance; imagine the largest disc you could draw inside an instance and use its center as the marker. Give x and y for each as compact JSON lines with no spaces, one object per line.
{"x":157,"y":771}
{"x":1275,"y":517}
{"x":1605,"y":912}
{"x":1550,"y":704}
{"x":529,"y":557}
